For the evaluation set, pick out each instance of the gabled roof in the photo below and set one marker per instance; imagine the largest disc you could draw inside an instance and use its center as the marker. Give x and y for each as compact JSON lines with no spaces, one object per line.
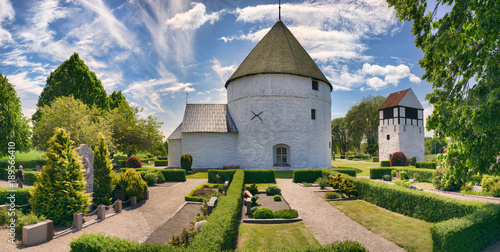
{"x":205,"y":118}
{"x":279,"y":52}
{"x":402,"y":98}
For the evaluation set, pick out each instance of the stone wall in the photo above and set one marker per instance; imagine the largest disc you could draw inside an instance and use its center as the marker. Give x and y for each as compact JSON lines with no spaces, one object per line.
{"x":406,"y":138}
{"x":210,"y":150}
{"x":174,"y":153}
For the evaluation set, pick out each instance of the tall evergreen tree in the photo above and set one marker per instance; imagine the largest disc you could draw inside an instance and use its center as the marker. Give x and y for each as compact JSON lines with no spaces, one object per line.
{"x":73,"y":77}
{"x":115,"y":99}
{"x":103,"y":174}
{"x":60,"y":188}
{"x":14,"y":126}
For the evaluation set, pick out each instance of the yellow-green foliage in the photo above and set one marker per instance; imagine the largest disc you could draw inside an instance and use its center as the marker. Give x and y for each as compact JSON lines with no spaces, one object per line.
{"x":132,"y":183}
{"x":60,"y":189}
{"x":103,"y":174}
{"x":343,"y":185}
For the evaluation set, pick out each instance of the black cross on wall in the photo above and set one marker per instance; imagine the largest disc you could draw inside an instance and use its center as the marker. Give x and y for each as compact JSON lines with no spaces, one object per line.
{"x":257,"y":115}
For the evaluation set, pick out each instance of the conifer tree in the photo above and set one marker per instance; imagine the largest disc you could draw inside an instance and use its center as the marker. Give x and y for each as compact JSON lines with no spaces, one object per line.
{"x":103,"y":174}
{"x":60,"y":188}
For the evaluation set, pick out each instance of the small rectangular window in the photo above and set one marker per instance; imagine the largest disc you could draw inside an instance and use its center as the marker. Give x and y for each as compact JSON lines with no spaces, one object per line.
{"x":313,"y":114}
{"x":388,"y":137}
{"x":315,"y":85}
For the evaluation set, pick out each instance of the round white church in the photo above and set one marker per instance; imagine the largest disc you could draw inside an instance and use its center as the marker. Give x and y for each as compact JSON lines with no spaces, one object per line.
{"x":278,"y":113}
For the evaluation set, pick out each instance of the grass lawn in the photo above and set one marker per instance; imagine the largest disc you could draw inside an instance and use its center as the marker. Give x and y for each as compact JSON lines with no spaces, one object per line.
{"x":273,"y":237}
{"x":430,"y":157}
{"x":424,"y":185}
{"x":284,"y":174}
{"x":362,"y":168}
{"x":409,"y":233}
{"x":198,"y":175}
{"x":27,"y":156}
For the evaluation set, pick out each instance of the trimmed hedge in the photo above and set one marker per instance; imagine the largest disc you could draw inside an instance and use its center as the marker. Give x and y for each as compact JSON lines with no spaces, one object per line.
{"x":428,"y":165}
{"x":29,"y":176}
{"x":344,"y":246}
{"x":220,"y":230}
{"x":260,"y":176}
{"x":161,"y":163}
{"x":286,"y":214}
{"x":417,"y":204}
{"x":378,"y":173}
{"x":349,"y":171}
{"x":22,"y":195}
{"x":375,"y":159}
{"x":26,"y":164}
{"x":471,"y":233}
{"x":424,"y":175}
{"x":100,"y":242}
{"x":307,"y":175}
{"x":385,"y":163}
{"x":191,"y":197}
{"x":225,"y":175}
{"x":174,"y":175}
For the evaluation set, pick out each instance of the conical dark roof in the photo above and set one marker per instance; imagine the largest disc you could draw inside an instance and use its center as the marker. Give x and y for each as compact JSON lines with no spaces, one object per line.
{"x":279,"y":52}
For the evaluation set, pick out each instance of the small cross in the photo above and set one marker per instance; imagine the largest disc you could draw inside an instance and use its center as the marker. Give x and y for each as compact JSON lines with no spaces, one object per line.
{"x":257,"y":115}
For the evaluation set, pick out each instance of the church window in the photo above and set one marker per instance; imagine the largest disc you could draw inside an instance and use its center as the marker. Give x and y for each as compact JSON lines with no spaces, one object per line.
{"x":281,"y":155}
{"x":313,"y":114}
{"x":388,"y":137}
{"x":314,"y":85}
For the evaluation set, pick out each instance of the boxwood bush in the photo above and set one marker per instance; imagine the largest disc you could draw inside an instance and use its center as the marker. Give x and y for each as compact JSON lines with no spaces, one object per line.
{"x":378,"y":173}
{"x":174,"y":175}
{"x":428,"y":165}
{"x":260,"y":176}
{"x":263,"y":213}
{"x":286,"y":214}
{"x":220,"y":230}
{"x":375,"y":159}
{"x":423,"y":175}
{"x":385,"y":163}
{"x":161,"y":162}
{"x":306,"y":175}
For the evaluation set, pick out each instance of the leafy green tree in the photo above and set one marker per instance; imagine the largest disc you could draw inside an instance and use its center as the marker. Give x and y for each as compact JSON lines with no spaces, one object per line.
{"x":339,"y":135}
{"x":434,"y":145}
{"x":82,"y":122}
{"x":73,"y":77}
{"x":362,"y":122}
{"x":60,"y":188}
{"x":163,"y":149}
{"x":461,"y":60}
{"x":115,"y":99}
{"x":14,"y":126}
{"x":103,"y":174}
{"x":131,"y":133}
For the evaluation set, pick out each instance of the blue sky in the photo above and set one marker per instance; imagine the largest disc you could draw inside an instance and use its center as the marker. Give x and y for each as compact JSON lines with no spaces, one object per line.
{"x":155,"y":51}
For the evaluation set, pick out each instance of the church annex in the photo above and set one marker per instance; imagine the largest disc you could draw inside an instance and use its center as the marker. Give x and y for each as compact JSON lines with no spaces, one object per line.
{"x":278,"y":113}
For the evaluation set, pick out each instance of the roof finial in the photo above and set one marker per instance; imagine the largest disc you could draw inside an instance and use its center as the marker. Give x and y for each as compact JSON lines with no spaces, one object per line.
{"x":279,"y":8}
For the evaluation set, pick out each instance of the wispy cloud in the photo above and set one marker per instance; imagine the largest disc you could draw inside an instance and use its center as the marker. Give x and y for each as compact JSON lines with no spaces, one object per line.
{"x":392,"y":75}
{"x":6,"y":15}
{"x":222,"y":72}
{"x":193,"y":18}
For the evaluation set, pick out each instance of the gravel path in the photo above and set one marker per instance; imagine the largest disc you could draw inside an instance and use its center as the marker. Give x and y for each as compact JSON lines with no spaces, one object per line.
{"x":327,"y":223}
{"x":133,"y":223}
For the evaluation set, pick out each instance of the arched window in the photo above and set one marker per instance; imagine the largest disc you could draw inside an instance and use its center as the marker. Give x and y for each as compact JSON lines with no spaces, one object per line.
{"x":281,"y":155}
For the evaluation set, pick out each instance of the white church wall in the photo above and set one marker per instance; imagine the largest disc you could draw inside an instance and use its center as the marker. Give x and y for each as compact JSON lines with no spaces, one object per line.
{"x":174,"y":153}
{"x":210,"y":150}
{"x":412,"y":141}
{"x":285,"y":102}
{"x":387,"y":147}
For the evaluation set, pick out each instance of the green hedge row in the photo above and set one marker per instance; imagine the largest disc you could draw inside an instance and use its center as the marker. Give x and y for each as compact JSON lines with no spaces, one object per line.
{"x":385,"y":163}
{"x":29,"y":176}
{"x":224,"y":175}
{"x":220,"y":230}
{"x":22,"y":196}
{"x":376,"y":159}
{"x":343,"y":246}
{"x":349,"y":171}
{"x":260,"y":176}
{"x":306,"y":175}
{"x":170,"y":175}
{"x":428,"y":165}
{"x":191,"y":197}
{"x":26,"y":164}
{"x":470,"y":233}
{"x":424,"y":175}
{"x":161,"y":163}
{"x":417,"y":204}
{"x":100,"y":242}
{"x":378,"y":173}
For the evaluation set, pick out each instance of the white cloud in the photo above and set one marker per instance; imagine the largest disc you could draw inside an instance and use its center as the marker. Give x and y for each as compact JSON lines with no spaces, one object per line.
{"x":375,"y":83}
{"x":222,"y":72}
{"x":6,"y":15}
{"x":26,"y":85}
{"x":193,"y":18}
{"x":342,"y":79}
{"x":392,"y":75}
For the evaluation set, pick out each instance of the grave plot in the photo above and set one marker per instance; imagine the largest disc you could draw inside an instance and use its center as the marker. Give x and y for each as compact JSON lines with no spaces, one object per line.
{"x":267,"y":206}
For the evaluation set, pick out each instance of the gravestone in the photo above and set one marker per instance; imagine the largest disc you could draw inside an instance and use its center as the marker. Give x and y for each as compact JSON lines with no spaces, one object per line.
{"x":38,"y":168}
{"x":211,"y":204}
{"x":198,"y":225}
{"x":88,"y":162}
{"x":226,"y":187}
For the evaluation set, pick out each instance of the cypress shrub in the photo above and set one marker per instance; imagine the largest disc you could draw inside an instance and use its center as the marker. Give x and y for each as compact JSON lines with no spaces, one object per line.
{"x":427,"y":165}
{"x":103,"y":174}
{"x":263,"y":213}
{"x":385,"y":163}
{"x":398,"y":159}
{"x":151,"y":178}
{"x":60,"y":189}
{"x":186,"y":162}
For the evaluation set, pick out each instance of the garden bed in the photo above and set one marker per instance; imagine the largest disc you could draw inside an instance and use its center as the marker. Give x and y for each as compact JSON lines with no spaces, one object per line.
{"x":267,"y":201}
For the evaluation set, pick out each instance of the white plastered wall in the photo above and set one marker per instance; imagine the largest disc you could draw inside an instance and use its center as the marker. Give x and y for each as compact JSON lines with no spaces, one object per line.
{"x":174,"y":153}
{"x":210,"y":150}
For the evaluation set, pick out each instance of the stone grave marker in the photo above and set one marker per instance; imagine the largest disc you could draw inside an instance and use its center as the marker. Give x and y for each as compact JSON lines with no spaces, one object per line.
{"x":211,"y":204}
{"x":88,"y":161}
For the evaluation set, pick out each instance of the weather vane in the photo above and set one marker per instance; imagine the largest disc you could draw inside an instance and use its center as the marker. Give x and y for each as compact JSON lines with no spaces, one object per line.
{"x":279,"y":9}
{"x":186,"y":97}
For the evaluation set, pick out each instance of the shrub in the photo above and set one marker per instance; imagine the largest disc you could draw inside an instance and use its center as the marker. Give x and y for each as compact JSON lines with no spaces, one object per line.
{"x":195,"y":196}
{"x":378,"y":173}
{"x":495,"y":189}
{"x":186,"y":162}
{"x":273,"y":190}
{"x":306,"y":175}
{"x":174,"y":175}
{"x":254,"y":201}
{"x":385,"y":163}
{"x":286,"y":214}
{"x":351,"y":246}
{"x":263,"y":213}
{"x":25,"y":220}
{"x":333,"y":195}
{"x":403,"y":175}
{"x":220,"y":176}
{"x":100,"y":242}
{"x":398,"y":159}
{"x":393,"y":173}
{"x":23,"y":195}
{"x":277,"y":197}
{"x":133,"y":162}
{"x":473,"y":232}
{"x":444,"y":182}
{"x":103,"y":174}
{"x":30,"y":177}
{"x":425,"y":175}
{"x":260,"y":176}
{"x":343,"y":185}
{"x":184,"y":238}
{"x":427,"y":165}
{"x":161,"y":163}
{"x":220,"y":230}
{"x":253,"y":189}
{"x":387,"y":178}
{"x":322,"y":182}
{"x":375,"y":159}
{"x":349,"y":171}
{"x":162,"y":158}
{"x":412,"y":161}
{"x":132,"y":183}
{"x":151,"y":178}
{"x":60,"y":188}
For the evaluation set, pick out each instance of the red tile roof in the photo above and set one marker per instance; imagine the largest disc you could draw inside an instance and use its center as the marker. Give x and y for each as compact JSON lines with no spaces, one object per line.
{"x":393,"y":99}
